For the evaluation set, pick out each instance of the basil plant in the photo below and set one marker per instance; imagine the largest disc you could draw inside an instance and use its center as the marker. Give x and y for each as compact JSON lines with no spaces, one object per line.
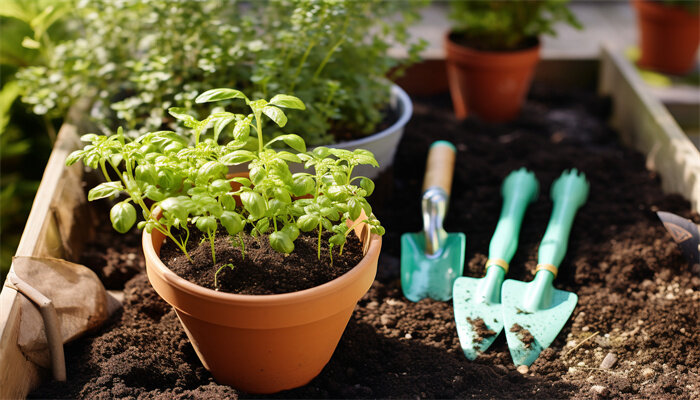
{"x":186,"y":178}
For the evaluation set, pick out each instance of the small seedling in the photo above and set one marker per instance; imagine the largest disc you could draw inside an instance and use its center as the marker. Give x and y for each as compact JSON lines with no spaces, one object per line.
{"x":216,"y":275}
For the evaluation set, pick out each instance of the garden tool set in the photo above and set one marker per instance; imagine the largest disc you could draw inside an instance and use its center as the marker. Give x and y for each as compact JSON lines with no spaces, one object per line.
{"x":477,"y":302}
{"x":431,"y":260}
{"x":532,"y":313}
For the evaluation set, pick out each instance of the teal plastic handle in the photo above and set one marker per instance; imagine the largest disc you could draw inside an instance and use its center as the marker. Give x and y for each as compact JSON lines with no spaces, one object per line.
{"x":569,"y":193}
{"x":519,"y":189}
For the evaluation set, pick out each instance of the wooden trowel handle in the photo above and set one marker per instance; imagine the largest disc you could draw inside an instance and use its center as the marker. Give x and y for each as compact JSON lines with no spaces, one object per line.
{"x":440,"y":166}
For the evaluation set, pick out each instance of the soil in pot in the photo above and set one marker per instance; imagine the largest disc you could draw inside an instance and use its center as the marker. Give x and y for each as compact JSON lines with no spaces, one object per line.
{"x":635,"y":289}
{"x":261,"y":270}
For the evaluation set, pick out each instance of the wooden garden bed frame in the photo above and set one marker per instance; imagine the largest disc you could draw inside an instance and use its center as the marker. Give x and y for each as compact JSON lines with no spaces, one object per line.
{"x":57,"y":226}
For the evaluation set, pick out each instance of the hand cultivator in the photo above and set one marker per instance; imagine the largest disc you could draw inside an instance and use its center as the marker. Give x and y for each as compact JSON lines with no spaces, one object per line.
{"x":477,"y":302}
{"x":533,"y":313}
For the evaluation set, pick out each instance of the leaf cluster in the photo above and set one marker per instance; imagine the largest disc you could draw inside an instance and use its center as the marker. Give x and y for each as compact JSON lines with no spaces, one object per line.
{"x":140,"y":56}
{"x":189,"y":182}
{"x":501,"y":25}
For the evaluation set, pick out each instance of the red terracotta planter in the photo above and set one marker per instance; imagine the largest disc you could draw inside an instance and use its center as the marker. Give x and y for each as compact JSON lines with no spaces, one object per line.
{"x":669,"y":37}
{"x":267,"y":343}
{"x":490,"y":84}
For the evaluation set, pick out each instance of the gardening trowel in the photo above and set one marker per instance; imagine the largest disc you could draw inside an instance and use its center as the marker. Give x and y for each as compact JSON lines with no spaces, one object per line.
{"x":685,"y":233}
{"x":535,"y":312}
{"x":477,"y":302}
{"x":431,"y":260}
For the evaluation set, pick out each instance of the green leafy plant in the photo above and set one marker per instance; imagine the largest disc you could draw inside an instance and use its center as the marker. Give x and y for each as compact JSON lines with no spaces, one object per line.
{"x":690,"y":6}
{"x":507,"y":25}
{"x":187,"y":184}
{"x":308,"y":48}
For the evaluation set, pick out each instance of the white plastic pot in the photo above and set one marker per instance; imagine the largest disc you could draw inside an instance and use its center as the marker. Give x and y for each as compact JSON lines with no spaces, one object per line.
{"x":384,"y":143}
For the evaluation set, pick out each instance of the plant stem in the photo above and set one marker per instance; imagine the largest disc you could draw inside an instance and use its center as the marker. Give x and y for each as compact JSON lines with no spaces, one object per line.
{"x":320,"y":229}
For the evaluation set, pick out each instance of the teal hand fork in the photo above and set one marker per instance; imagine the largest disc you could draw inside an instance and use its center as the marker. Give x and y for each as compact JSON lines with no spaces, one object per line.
{"x":477,"y":302}
{"x":534,"y":312}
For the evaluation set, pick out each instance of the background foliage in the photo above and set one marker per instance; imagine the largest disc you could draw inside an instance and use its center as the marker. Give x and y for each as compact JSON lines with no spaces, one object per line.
{"x":507,"y":25}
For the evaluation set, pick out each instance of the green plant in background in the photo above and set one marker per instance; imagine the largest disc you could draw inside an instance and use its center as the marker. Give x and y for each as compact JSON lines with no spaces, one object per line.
{"x":692,"y":7}
{"x":27,"y":28}
{"x":507,"y":25}
{"x":188,"y":182}
{"x":138,"y":58}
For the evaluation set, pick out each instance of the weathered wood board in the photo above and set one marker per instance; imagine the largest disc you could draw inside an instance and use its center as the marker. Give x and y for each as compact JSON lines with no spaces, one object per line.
{"x":646,"y":125}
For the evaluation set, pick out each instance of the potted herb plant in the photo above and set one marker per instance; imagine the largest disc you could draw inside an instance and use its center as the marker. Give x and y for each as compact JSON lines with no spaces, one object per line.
{"x":258,"y":343}
{"x":669,"y":34}
{"x":307,"y":48}
{"x":492,"y":51}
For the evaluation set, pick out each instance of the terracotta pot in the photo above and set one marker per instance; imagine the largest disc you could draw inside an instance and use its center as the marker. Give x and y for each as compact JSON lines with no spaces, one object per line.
{"x":669,"y":37}
{"x":490,"y":84}
{"x":265,"y":343}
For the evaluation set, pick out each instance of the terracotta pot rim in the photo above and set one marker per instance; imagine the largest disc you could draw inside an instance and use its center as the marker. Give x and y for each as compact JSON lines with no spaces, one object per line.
{"x":259,"y":300}
{"x":452,"y":45}
{"x":662,"y":12}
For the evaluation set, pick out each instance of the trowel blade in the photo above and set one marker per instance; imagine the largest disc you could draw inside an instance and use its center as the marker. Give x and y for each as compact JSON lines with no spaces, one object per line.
{"x":478,"y":321}
{"x":528,"y":333}
{"x":424,"y":275}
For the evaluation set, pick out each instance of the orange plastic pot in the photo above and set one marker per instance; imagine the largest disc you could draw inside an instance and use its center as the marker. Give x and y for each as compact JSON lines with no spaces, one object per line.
{"x":669,"y":37}
{"x":266,"y":343}
{"x":490,"y":84}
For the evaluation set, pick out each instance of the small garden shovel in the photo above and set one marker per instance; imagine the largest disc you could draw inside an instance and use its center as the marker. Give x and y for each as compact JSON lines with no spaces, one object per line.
{"x":477,"y":302}
{"x":431,"y":260}
{"x":535,"y":312}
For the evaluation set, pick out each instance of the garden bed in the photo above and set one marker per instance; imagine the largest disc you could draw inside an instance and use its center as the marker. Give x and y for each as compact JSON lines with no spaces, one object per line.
{"x":635,"y":289}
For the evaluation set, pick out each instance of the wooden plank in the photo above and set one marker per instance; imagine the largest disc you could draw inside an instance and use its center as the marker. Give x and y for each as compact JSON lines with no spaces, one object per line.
{"x":42,"y":236}
{"x":646,"y":125}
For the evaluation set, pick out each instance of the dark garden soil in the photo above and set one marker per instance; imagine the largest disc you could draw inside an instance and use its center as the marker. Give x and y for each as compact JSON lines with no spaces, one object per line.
{"x":260,"y":269}
{"x":639,"y":301}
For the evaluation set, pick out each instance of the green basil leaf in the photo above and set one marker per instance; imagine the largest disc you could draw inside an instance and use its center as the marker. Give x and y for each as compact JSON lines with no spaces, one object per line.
{"x":206,"y":223}
{"x":337,"y":239}
{"x":257,"y":174}
{"x":287,"y":156}
{"x":74,"y":157}
{"x":282,"y":195}
{"x":241,"y":129}
{"x":254,"y":203}
{"x":123,"y":216}
{"x":287,"y":101}
{"x":106,"y":189}
{"x":180,"y":113}
{"x":262,"y":225}
{"x":307,"y":223}
{"x":220,"y":94}
{"x":303,"y":185}
{"x":354,"y":209}
{"x":281,"y":242}
{"x":292,"y":231}
{"x":368,"y":185}
{"x":232,"y":221}
{"x":294,"y":141}
{"x":237,"y":157}
{"x":276,"y":115}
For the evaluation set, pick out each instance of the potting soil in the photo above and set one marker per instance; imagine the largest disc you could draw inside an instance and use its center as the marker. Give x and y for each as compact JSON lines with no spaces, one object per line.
{"x":638,"y":298}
